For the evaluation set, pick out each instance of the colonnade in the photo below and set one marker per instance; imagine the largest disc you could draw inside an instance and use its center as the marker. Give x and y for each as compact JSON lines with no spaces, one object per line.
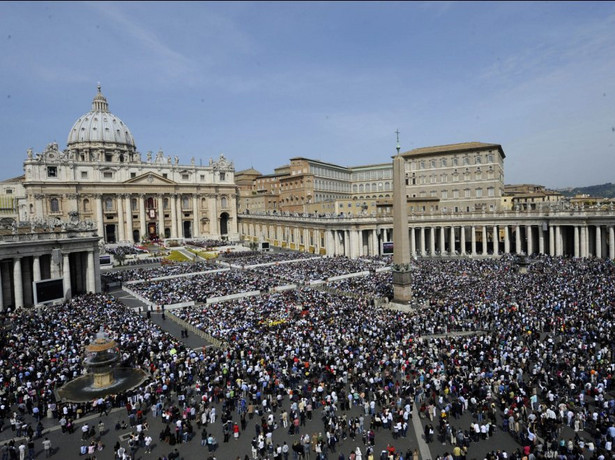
{"x":369,"y":237}
{"x":18,"y":273}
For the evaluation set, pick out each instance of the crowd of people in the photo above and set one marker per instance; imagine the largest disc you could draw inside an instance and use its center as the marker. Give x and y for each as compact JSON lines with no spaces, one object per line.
{"x":530,"y":354}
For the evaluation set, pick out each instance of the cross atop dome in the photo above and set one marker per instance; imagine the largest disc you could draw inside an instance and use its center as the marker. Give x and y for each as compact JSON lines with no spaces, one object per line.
{"x":99,"y":104}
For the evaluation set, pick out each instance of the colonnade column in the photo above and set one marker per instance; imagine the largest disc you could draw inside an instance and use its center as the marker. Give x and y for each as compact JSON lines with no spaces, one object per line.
{"x":518,"y":249}
{"x":423,"y":241}
{"x":583,"y":238}
{"x":91,"y":279}
{"x":374,"y":242}
{"x":558,"y":241}
{"x":36,"y":269}
{"x":541,"y":240}
{"x":100,"y":224}
{"x":530,"y":240}
{"x":142,"y":217}
{"x":484,"y":240}
{"x":329,"y":243}
{"x":412,"y":241}
{"x":17,"y":282}
{"x":452,"y":243}
{"x":1,"y":293}
{"x":496,"y":240}
{"x":598,"y":242}
{"x":160,"y":217}
{"x":462,"y":240}
{"x":432,"y":241}
{"x":66,"y":275}
{"x":611,"y":243}
{"x":196,"y":231}
{"x":576,"y":241}
{"x":552,"y":241}
{"x":353,"y":244}
{"x":473,"y":230}
{"x":120,"y":217}
{"x":129,"y":235}
{"x":506,"y":240}
{"x":442,"y":240}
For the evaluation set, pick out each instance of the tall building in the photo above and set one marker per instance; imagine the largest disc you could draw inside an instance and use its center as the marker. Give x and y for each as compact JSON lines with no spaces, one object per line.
{"x":102,"y":177}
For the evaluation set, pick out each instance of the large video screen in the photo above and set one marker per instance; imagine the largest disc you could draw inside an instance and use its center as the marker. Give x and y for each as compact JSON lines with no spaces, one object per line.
{"x":48,"y":290}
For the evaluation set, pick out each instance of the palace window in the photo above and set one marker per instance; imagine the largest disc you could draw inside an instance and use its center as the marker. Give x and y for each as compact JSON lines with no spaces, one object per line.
{"x":54,"y":205}
{"x":108,"y":204}
{"x":84,"y":174}
{"x":52,"y":171}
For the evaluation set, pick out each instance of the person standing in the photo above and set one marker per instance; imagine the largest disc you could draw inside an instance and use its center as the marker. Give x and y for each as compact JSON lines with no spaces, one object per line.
{"x":47,"y":447}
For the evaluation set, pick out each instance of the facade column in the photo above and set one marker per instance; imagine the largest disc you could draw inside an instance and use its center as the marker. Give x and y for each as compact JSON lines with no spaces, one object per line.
{"x":506,"y":240}
{"x":412,"y":242}
{"x":598,"y":242}
{"x":129,"y":235}
{"x":142,"y":217}
{"x":484,"y":240}
{"x":196,"y":217}
{"x":120,"y":217}
{"x":518,"y":249}
{"x":214,"y":224}
{"x":17,"y":282}
{"x":180,"y":216}
{"x":91,"y":280}
{"x":36,"y":268}
{"x":530,"y":240}
{"x":160,"y":217}
{"x":173,"y":216}
{"x":100,"y":222}
{"x":576,"y":242}
{"x":422,"y":241}
{"x":541,"y":240}
{"x":442,"y":240}
{"x":66,"y":275}
{"x":496,"y":240}
{"x":611,"y":243}
{"x":473,"y":230}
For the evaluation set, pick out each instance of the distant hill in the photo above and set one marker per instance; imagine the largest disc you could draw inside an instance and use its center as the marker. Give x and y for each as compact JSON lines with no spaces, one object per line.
{"x":600,"y":191}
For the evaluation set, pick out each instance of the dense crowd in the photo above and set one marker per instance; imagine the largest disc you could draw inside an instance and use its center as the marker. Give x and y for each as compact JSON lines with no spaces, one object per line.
{"x":200,"y":287}
{"x":544,"y":359}
{"x":531,"y":354}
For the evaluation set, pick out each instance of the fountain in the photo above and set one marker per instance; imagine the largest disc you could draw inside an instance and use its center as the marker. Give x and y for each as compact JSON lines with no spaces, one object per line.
{"x":103,"y":376}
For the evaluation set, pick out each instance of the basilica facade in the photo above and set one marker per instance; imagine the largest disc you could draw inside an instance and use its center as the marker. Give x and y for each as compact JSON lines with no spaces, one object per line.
{"x":101,"y":177}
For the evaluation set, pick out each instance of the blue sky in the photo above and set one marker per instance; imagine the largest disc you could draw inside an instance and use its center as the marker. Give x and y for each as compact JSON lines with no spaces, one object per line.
{"x":265,"y":82}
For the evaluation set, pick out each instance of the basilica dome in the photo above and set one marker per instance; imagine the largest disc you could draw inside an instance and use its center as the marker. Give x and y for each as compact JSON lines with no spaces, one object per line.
{"x":100,"y":126}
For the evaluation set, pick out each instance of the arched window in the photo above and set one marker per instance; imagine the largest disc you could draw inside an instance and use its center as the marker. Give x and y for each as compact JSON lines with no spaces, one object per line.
{"x":86,"y":205}
{"x":223,"y":202}
{"x":185,"y":202}
{"x":166,"y":203}
{"x":150,"y":203}
{"x":133,"y":204}
{"x":54,"y":205}
{"x":108,"y":204}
